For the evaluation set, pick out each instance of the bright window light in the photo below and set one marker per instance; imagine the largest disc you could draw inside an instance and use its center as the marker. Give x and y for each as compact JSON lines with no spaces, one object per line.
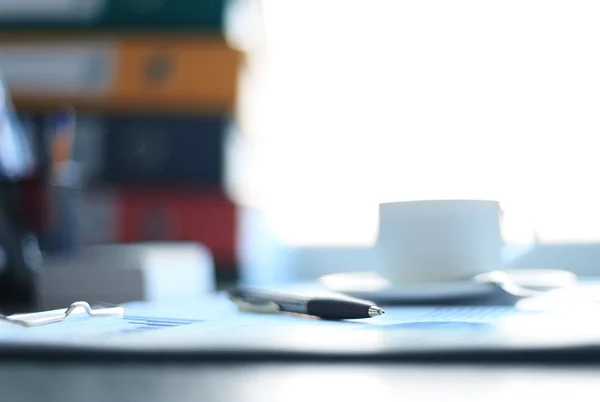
{"x":362,"y":102}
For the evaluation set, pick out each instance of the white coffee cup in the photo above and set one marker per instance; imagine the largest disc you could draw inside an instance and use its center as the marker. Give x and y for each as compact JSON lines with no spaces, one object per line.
{"x":439,"y":240}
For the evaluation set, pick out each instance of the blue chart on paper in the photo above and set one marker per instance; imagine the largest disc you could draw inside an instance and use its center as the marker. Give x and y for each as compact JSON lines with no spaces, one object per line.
{"x":485,"y":318}
{"x":444,"y":326}
{"x":139,"y":324}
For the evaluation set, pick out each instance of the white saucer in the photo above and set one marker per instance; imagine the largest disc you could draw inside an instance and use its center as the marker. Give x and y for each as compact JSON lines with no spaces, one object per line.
{"x":371,"y":286}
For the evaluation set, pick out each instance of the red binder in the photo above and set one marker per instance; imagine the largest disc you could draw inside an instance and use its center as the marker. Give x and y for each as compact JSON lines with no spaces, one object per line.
{"x":161,"y":214}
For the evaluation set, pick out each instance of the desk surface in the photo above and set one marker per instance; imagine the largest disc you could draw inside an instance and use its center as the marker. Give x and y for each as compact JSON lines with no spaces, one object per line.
{"x":56,"y":382}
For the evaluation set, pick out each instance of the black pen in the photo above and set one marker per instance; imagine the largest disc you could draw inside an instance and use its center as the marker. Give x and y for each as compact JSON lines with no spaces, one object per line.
{"x":330,"y":308}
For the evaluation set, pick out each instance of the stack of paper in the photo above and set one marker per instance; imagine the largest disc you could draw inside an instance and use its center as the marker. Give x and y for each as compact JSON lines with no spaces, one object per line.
{"x":214,"y":325}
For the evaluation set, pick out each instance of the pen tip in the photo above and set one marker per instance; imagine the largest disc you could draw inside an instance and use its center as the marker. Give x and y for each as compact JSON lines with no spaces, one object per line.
{"x":375,"y":311}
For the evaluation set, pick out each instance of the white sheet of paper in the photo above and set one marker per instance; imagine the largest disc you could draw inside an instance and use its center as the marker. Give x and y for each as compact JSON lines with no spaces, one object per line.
{"x":215,"y":323}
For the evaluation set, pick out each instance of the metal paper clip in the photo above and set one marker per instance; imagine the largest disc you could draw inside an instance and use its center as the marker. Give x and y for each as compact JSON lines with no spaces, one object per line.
{"x":43,"y":318}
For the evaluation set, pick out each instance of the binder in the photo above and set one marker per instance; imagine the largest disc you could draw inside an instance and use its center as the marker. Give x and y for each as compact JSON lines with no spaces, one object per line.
{"x":165,"y":149}
{"x":183,"y":214}
{"x":119,"y":214}
{"x":198,"y":15}
{"x":141,"y":148}
{"x":139,"y":72}
{"x":133,"y":214}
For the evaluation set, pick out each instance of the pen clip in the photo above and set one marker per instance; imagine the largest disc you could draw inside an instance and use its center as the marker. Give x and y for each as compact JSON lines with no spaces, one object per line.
{"x":266,"y":307}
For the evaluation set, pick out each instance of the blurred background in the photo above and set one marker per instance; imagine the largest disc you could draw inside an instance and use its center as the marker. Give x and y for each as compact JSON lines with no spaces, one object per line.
{"x":203,"y":143}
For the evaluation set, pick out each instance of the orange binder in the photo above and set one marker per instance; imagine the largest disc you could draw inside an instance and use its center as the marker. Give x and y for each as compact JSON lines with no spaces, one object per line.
{"x":121,"y":73}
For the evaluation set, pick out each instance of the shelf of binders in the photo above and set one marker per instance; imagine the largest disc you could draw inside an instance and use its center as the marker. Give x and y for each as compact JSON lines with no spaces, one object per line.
{"x":145,"y":177}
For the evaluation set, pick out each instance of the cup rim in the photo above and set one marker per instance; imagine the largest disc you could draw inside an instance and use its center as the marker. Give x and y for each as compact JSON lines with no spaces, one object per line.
{"x":449,"y":200}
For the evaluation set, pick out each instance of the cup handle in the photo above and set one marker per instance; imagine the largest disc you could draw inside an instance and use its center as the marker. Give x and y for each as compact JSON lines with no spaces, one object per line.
{"x":528,"y":282}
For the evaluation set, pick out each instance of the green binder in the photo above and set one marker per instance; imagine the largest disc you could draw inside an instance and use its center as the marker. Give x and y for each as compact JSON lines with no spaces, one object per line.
{"x":122,"y":15}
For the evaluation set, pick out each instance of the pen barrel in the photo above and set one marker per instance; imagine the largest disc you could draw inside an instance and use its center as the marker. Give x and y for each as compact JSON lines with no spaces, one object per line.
{"x":337,"y":309}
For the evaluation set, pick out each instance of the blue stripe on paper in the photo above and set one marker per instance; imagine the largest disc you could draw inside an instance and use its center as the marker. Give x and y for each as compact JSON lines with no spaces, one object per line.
{"x":139,"y":324}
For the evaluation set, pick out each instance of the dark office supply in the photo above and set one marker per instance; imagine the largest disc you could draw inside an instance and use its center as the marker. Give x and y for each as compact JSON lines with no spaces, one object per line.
{"x":170,"y":150}
{"x":20,"y":254}
{"x":139,"y":148}
{"x":19,"y":250}
{"x":324,"y":307}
